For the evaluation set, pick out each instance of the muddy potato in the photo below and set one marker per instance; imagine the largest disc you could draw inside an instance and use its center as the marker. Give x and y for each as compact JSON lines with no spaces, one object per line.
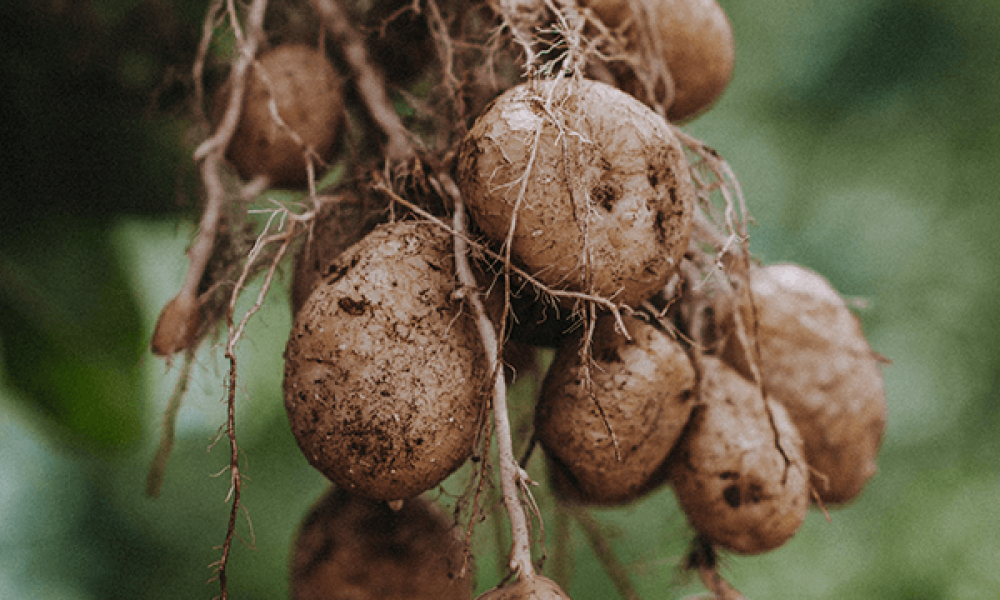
{"x":306,"y":91}
{"x":697,"y":46}
{"x":384,"y":369}
{"x":743,"y":483}
{"x":607,"y":203}
{"x":536,"y":587}
{"x":816,"y":361}
{"x":352,"y":548}
{"x":644,"y":387}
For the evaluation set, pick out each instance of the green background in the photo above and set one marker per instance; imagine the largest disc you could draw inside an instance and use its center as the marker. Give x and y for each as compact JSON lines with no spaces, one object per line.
{"x":866,"y":135}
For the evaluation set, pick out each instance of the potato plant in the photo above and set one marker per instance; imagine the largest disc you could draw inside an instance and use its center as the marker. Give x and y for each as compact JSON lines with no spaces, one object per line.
{"x":519,"y":188}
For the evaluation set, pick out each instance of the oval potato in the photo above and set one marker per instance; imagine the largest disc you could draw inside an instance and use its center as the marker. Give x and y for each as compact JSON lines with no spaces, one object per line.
{"x":643,"y":388}
{"x":739,"y":471}
{"x":384,"y":371}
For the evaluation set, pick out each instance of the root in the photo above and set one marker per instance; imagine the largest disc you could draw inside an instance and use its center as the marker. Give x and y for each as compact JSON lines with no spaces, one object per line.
{"x":522,"y":17}
{"x":211,"y":155}
{"x":158,"y":468}
{"x":369,"y":80}
{"x":212,"y":19}
{"x":703,"y":559}
{"x":513,"y":479}
{"x":235,"y":333}
{"x":478,"y":489}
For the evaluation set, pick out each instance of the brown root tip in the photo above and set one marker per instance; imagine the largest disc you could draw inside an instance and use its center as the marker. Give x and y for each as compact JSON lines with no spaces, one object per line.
{"x":178,"y":326}
{"x":704,"y":560}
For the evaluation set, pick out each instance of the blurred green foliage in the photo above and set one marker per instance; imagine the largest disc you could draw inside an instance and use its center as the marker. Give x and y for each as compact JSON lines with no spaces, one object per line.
{"x":866,"y":136}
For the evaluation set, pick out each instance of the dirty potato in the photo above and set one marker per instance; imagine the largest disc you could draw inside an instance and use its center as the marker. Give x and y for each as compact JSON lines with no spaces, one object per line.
{"x":739,"y":471}
{"x":612,"y":424}
{"x":589,"y":186}
{"x":384,"y":369}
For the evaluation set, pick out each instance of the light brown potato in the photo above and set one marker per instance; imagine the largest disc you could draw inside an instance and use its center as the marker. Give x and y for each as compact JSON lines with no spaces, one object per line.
{"x":306,"y":91}
{"x":352,"y":548}
{"x":816,"y":361}
{"x":645,"y":387}
{"x":697,"y":43}
{"x":739,"y":471}
{"x":384,"y":370}
{"x":607,"y":203}
{"x":536,"y":587}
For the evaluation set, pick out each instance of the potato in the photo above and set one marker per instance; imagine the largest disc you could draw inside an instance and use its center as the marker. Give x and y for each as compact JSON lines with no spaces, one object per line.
{"x":697,"y":44}
{"x":645,"y":388}
{"x":608,"y":201}
{"x":535,"y":587}
{"x":352,"y":548}
{"x":816,"y":361}
{"x":739,"y":471}
{"x":306,"y":91}
{"x":384,"y":371}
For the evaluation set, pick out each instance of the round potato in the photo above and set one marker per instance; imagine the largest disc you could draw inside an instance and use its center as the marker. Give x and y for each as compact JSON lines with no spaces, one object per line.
{"x":696,"y":41}
{"x":305,"y":89}
{"x":591,"y":184}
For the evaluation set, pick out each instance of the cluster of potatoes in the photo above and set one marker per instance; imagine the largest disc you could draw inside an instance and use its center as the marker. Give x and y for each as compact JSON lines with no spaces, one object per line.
{"x":752,"y":402}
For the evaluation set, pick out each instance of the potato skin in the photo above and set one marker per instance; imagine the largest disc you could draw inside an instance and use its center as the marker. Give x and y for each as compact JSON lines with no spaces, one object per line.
{"x":816,"y":362}
{"x":352,"y":548}
{"x":698,"y":50}
{"x":307,"y":94}
{"x":608,"y":200}
{"x":384,"y":372}
{"x":645,"y":387}
{"x":730,"y":476}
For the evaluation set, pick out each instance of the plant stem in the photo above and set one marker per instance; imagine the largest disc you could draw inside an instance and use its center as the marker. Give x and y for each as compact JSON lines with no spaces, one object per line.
{"x":369,"y":82}
{"x":511,"y":476}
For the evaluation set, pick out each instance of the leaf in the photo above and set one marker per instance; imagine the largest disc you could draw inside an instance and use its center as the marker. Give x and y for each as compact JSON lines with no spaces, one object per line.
{"x":70,"y":330}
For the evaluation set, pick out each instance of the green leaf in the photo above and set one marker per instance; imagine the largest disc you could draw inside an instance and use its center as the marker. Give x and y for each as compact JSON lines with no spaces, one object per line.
{"x":70,"y":331}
